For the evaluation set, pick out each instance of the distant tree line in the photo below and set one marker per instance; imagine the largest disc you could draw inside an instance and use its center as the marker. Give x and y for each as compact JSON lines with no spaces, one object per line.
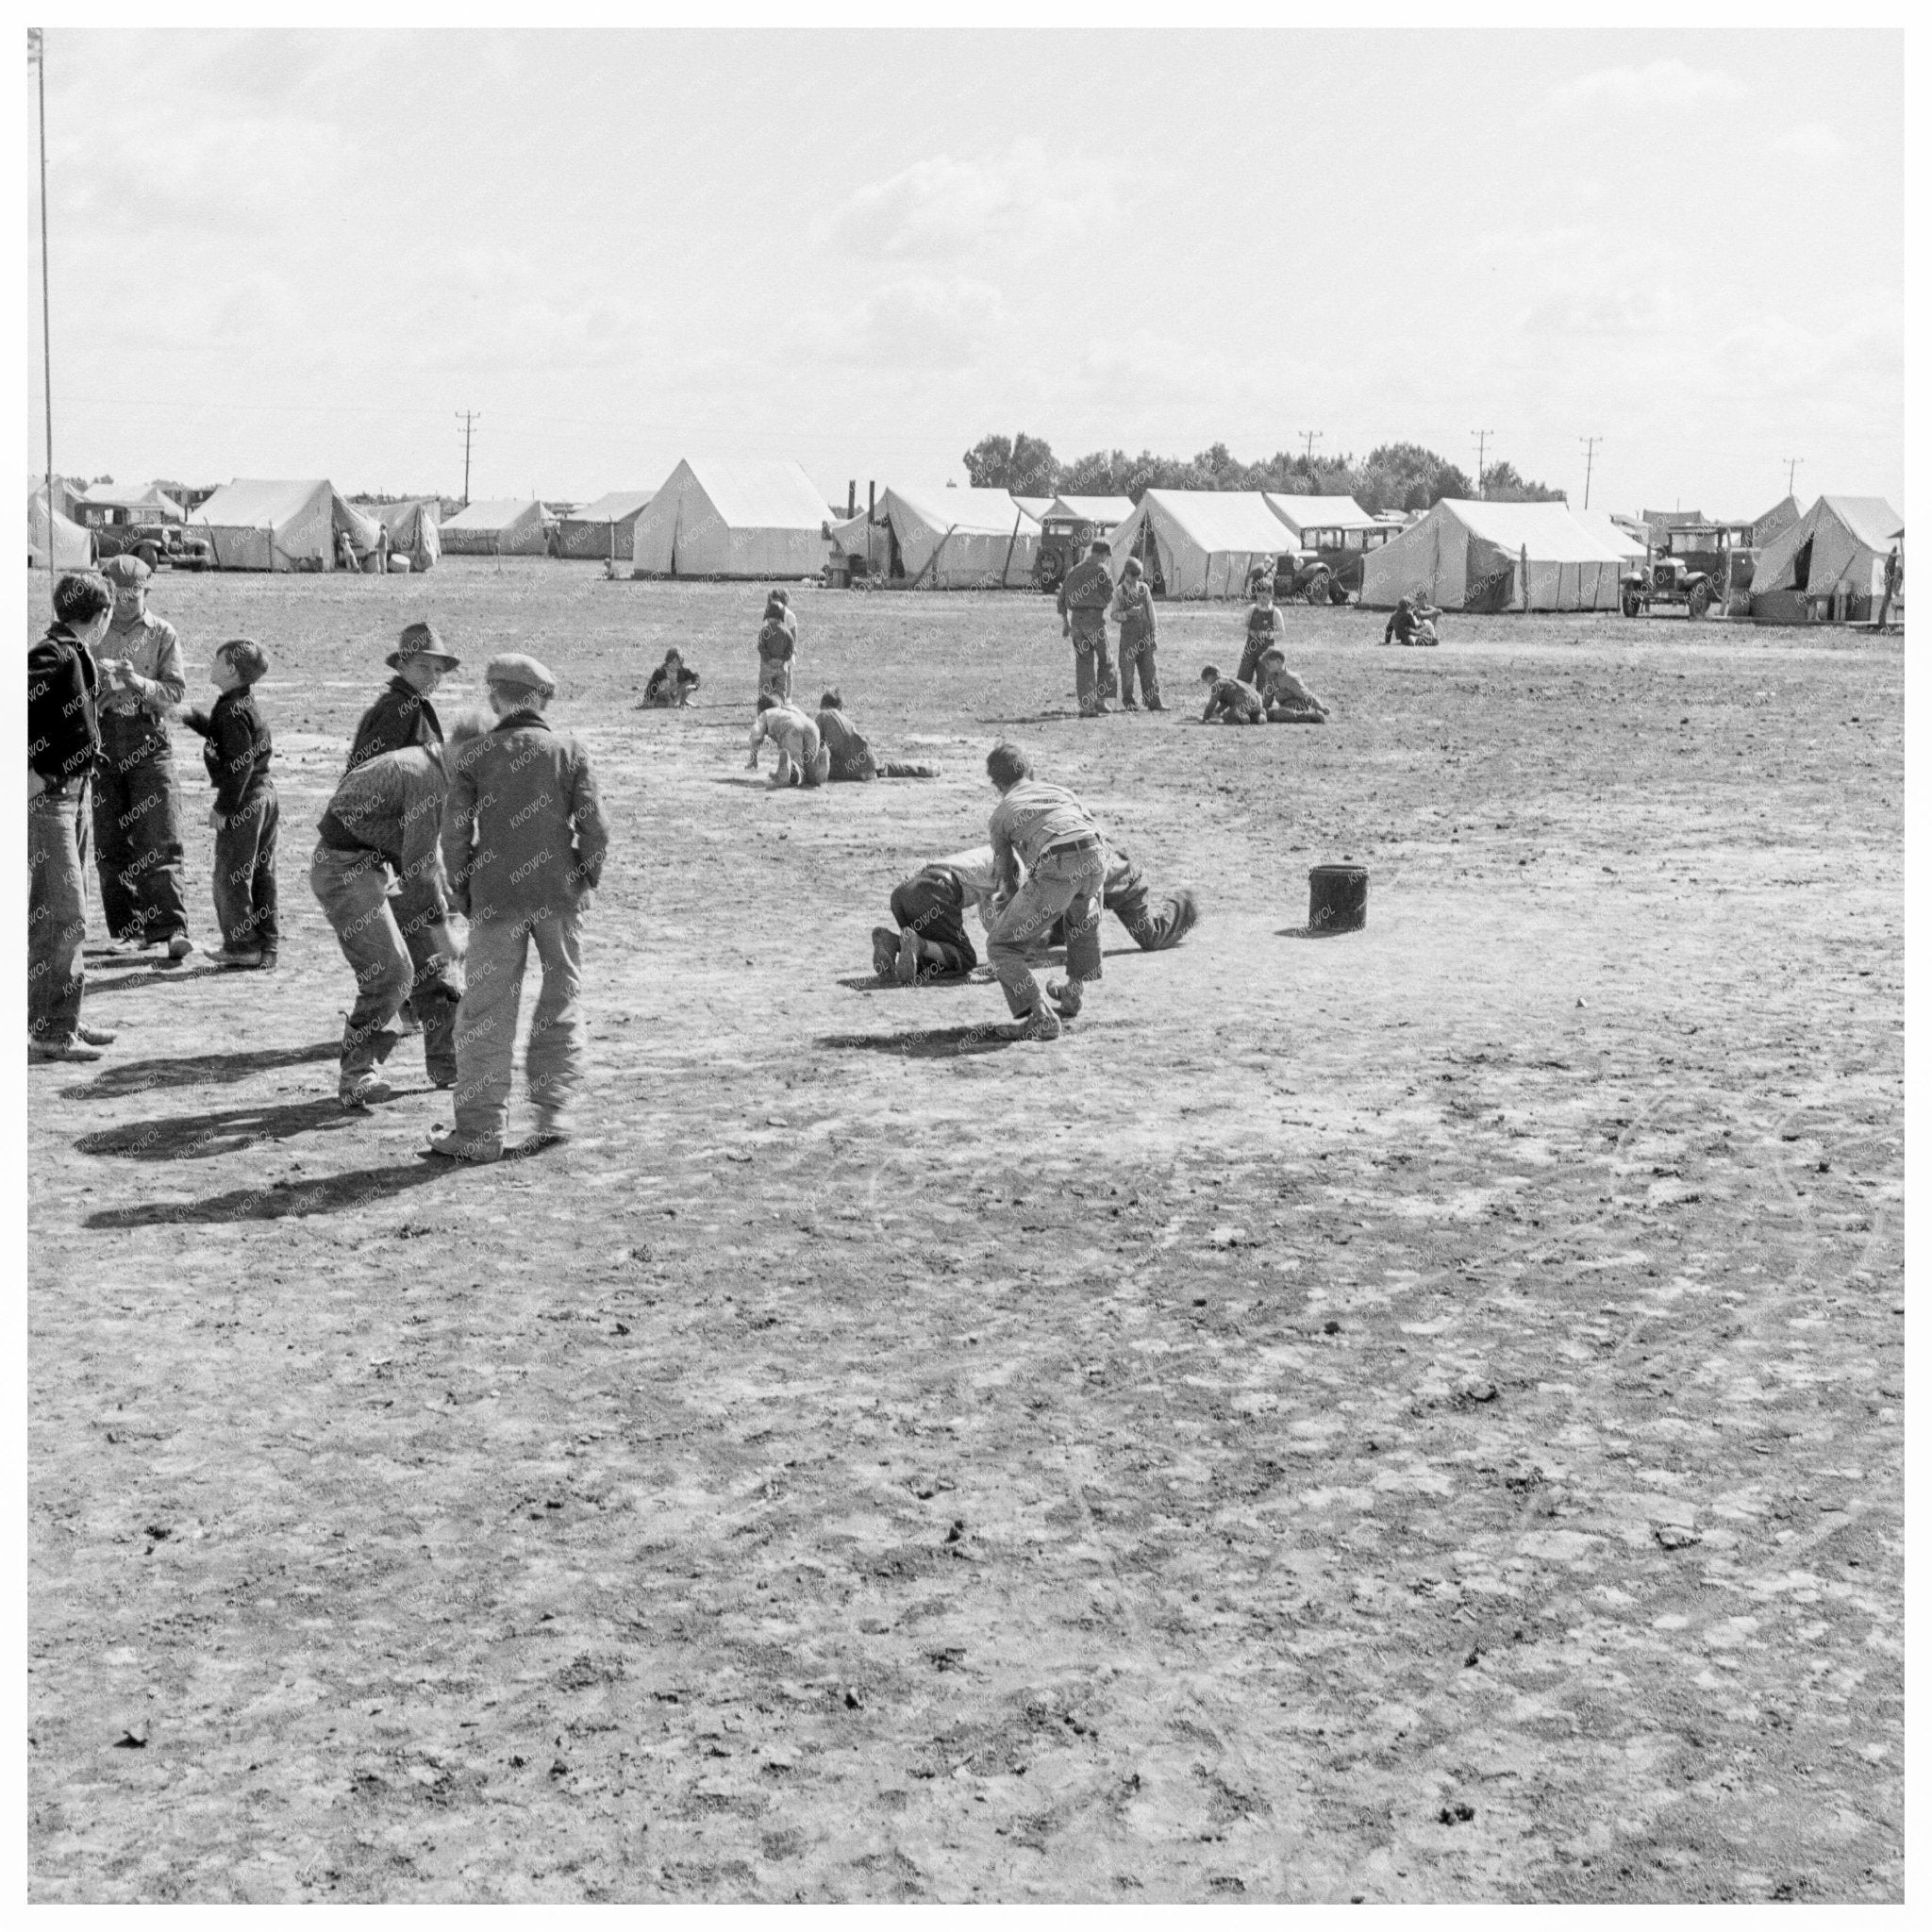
{"x":1396,"y":475}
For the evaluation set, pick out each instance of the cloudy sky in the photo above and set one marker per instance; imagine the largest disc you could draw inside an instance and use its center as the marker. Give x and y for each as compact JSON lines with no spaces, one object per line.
{"x":294,"y":254}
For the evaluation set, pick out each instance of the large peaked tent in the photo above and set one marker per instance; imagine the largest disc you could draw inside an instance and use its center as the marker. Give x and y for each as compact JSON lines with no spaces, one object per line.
{"x":1203,"y":543}
{"x":74,"y":549}
{"x":712,"y":518}
{"x":1775,"y":521}
{"x":502,"y":526}
{"x":412,"y":527}
{"x":1035,"y":506}
{"x":948,"y":540}
{"x":1829,"y":563}
{"x":604,"y":528}
{"x":260,"y":525}
{"x":1466,"y":556}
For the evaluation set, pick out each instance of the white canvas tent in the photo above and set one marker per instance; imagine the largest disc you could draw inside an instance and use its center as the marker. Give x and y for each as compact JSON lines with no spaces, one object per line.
{"x":946,"y":540}
{"x":1467,"y":555}
{"x":1830,"y":564}
{"x":604,"y":528}
{"x":1315,"y":513}
{"x":1620,"y":536}
{"x":1104,"y":512}
{"x":718,"y":519}
{"x":412,"y":529}
{"x":154,"y":503}
{"x":1203,"y":543}
{"x":254,"y":525}
{"x":72,"y":548}
{"x":502,"y":526}
{"x":1035,"y":506}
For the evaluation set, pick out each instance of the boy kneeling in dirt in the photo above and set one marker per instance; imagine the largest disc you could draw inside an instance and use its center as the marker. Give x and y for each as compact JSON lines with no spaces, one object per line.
{"x":1229,"y":701}
{"x":801,"y":756}
{"x":1284,"y":697}
{"x":1124,"y":893}
{"x":930,"y":909}
{"x":852,"y":760}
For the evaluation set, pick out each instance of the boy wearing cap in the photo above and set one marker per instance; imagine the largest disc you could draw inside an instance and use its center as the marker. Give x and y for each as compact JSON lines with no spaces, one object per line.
{"x":136,"y":807}
{"x":1133,"y":609}
{"x":247,"y":811}
{"x":403,"y":714}
{"x":522,"y":846}
{"x":1085,"y":595}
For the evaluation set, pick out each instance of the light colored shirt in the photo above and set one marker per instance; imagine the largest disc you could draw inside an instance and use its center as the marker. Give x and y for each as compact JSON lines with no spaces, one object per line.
{"x":1031,"y":819}
{"x":978,"y":876}
{"x":154,"y":652}
{"x":790,"y":730}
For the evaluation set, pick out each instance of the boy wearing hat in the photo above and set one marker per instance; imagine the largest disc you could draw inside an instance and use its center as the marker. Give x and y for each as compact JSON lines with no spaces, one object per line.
{"x":247,"y":811}
{"x":522,"y":846}
{"x":1083,"y":601}
{"x":137,"y":807}
{"x":403,"y":714}
{"x":1133,"y":609}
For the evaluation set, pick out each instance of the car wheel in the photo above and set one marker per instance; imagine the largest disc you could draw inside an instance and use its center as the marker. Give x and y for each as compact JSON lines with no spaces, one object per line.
{"x":1700,"y":601}
{"x":149,"y":556}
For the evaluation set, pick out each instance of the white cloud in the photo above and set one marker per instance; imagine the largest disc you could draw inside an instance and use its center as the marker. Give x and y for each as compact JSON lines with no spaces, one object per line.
{"x":1671,"y":83}
{"x":1811,"y":140}
{"x":928,"y":322}
{"x":940,"y":208}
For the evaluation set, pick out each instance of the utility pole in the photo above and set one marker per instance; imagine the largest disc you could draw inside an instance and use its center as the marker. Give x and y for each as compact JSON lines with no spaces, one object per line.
{"x":470,"y":418}
{"x":1791,"y":462}
{"x":36,"y":53}
{"x":1482,"y":443}
{"x":1310,"y":439}
{"x":1590,"y":443}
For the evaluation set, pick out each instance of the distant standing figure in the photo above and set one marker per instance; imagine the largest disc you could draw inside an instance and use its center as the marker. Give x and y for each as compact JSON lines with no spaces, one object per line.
{"x":403,"y":714}
{"x":1085,"y":595}
{"x":1266,"y":628}
{"x":246,"y":812}
{"x":136,"y":807}
{"x":1133,"y":609}
{"x":777,"y":648}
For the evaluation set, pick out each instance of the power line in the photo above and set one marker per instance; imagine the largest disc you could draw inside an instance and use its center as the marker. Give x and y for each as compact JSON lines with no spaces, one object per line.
{"x":1792,"y":474}
{"x":1590,"y":443}
{"x":470,"y":418}
{"x":1310,"y":439}
{"x":1482,"y":443}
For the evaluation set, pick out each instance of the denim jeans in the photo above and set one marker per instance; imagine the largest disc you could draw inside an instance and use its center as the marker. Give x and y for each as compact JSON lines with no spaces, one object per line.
{"x":1139,"y":655}
{"x":56,"y":919}
{"x":1064,"y":884}
{"x":486,"y":1024}
{"x":137,"y":824}
{"x":246,"y":874}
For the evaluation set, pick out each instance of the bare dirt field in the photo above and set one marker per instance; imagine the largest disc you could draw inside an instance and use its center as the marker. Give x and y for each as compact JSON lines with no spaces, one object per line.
{"x":1412,"y":1415}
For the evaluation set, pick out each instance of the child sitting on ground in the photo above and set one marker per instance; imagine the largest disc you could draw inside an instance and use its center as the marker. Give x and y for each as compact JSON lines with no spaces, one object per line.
{"x":1229,"y":701}
{"x":852,"y":757}
{"x":247,"y":811}
{"x":802,"y":757}
{"x":670,"y":686}
{"x":777,"y":647}
{"x":1284,"y":697}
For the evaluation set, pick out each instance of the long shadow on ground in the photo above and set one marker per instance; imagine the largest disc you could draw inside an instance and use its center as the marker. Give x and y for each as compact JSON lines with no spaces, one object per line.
{"x":932,"y":1043}
{"x":200,"y":1136}
{"x":199,"y":1070}
{"x":282,"y":1200}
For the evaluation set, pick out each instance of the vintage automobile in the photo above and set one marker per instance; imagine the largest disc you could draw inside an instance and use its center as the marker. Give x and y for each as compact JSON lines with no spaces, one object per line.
{"x":1699,"y":568}
{"x":1063,"y":542}
{"x":131,"y":530}
{"x":1326,"y":568}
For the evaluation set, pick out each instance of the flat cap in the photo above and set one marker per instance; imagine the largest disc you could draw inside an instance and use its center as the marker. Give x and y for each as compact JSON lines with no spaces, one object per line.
{"x":125,"y":570}
{"x":420,"y":640}
{"x":515,"y":668}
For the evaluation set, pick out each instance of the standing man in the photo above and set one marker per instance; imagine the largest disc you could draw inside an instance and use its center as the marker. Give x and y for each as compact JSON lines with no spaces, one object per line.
{"x":1084,"y":597}
{"x":1133,"y":609}
{"x":64,"y":740}
{"x":403,"y":714}
{"x":522,"y":845}
{"x":1048,"y":830}
{"x":137,"y":811}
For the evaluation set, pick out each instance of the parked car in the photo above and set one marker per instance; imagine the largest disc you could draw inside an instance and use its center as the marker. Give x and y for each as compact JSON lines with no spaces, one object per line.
{"x":1700,"y":567}
{"x":119,"y":531}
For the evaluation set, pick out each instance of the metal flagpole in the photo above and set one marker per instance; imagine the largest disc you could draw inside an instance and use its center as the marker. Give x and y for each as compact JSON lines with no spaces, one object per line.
{"x":36,"y":53}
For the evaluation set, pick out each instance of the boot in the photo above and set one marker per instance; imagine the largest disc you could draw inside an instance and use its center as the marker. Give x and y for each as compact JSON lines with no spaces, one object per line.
{"x":363,"y":1054}
{"x":438,"y":1021}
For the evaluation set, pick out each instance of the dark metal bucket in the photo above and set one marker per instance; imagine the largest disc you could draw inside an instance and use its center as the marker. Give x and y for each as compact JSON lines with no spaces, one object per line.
{"x":1337,"y":898}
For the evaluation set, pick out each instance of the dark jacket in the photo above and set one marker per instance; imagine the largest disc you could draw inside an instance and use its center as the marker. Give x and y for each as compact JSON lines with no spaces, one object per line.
{"x":401,"y":716}
{"x":852,"y":755}
{"x":238,"y":750}
{"x":64,"y":731}
{"x":1089,"y":588}
{"x":523,"y":834}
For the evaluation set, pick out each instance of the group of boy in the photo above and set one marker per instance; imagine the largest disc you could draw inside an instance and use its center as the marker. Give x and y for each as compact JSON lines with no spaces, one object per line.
{"x":827,"y":748}
{"x":1089,"y":601}
{"x":99,"y":760}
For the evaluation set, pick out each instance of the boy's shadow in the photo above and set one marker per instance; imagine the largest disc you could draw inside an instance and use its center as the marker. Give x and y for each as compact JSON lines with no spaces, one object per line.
{"x":283,"y":1200}
{"x":210,"y":1069}
{"x":931,"y":1043}
{"x":204,"y":1136}
{"x":1035,"y":718}
{"x":101,"y":979}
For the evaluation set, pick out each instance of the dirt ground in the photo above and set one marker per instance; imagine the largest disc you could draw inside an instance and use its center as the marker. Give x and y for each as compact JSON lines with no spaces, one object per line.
{"x":1413,"y":1415}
